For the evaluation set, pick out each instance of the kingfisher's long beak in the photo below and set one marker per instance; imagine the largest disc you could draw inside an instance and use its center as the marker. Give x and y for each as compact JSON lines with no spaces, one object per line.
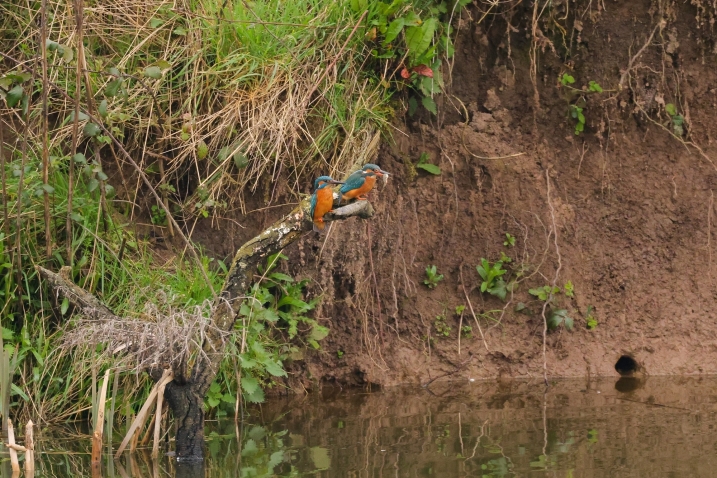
{"x":333,"y":181}
{"x":381,"y":172}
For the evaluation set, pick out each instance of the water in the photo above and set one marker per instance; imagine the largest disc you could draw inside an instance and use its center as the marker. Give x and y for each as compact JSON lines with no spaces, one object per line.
{"x":659,"y":427}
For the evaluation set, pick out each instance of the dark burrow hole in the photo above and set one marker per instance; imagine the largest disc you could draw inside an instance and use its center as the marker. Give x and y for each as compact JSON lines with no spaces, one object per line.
{"x":626,"y":366}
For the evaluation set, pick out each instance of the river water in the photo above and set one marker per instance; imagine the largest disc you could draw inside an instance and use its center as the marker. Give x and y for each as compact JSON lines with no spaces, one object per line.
{"x":656,"y":427}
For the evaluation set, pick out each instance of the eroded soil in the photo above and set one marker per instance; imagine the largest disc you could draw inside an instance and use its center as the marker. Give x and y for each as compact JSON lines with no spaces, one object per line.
{"x":623,"y":210}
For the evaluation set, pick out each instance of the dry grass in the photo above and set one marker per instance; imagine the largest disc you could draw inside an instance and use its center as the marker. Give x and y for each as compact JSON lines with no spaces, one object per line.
{"x":252,"y":86}
{"x":158,"y":339}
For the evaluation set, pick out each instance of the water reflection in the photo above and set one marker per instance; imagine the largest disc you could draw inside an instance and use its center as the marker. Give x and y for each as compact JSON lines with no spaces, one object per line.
{"x":653,"y":427}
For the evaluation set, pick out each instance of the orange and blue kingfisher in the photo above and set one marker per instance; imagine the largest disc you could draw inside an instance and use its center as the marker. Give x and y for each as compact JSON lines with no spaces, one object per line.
{"x":361,"y":182}
{"x":322,"y":201}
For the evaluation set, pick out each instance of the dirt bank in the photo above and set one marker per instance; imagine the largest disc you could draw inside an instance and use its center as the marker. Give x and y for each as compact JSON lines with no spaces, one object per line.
{"x":623,"y":210}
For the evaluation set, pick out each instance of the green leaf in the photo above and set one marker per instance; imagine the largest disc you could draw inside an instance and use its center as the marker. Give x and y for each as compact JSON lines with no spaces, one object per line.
{"x":109,"y":190}
{"x":358,"y":5}
{"x":92,"y":185}
{"x":294,"y":302}
{"x":153,"y":72}
{"x":278,"y":276}
{"x":319,"y":332}
{"x":68,"y":54}
{"x":102,"y":176}
{"x":79,"y":158}
{"x":249,"y":384}
{"x":670,"y":109}
{"x":418,"y":38}
{"x":594,"y":86}
{"x":202,"y":150}
{"x":48,"y":189}
{"x":393,"y":30}
{"x":91,"y":130}
{"x":412,"y":106}
{"x":255,"y":397}
{"x":430,"y":168}
{"x":113,"y":87}
{"x":429,"y":104}
{"x":569,"y":289}
{"x":274,"y":369}
{"x":213,"y":402}
{"x":14,"y":96}
{"x":155,"y":22}
{"x":181,"y":31}
{"x":102,"y":108}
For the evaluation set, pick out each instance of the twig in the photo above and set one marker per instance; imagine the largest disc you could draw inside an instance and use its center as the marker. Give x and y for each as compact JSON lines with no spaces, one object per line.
{"x":470,"y":305}
{"x":555,"y":278}
{"x":660,"y":25}
{"x":45,"y":127}
{"x":30,"y":449}
{"x":100,"y":421}
{"x":142,"y":415}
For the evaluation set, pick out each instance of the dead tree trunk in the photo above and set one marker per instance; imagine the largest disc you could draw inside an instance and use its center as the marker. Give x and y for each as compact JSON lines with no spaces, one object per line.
{"x":185,"y":395}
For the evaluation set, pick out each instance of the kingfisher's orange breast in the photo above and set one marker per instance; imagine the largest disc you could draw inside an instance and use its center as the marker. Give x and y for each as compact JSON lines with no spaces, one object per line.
{"x":324,"y":202}
{"x":365,"y":188}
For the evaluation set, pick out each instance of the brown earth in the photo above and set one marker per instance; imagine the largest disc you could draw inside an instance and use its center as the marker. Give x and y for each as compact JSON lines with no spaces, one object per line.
{"x":623,"y":210}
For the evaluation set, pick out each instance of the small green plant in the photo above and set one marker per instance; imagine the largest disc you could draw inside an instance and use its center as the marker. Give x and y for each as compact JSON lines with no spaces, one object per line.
{"x":504,"y":258}
{"x":426,"y":166}
{"x":569,"y":289}
{"x":677,"y":119}
{"x":460,"y":309}
{"x":442,"y":328}
{"x":556,"y":317}
{"x":576,"y":113}
{"x":560,"y":317}
{"x":590,"y":320}
{"x":544,"y":293}
{"x":159,"y":216}
{"x":432,"y":277}
{"x":339,"y":353}
{"x":577,"y":106}
{"x":467,"y":331}
{"x":509,"y":240}
{"x":492,"y":281}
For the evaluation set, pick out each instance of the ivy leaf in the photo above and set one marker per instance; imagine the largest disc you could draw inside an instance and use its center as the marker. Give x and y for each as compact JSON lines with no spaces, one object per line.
{"x":430,"y":168}
{"x":153,"y":72}
{"x":14,"y":96}
{"x":429,"y":104}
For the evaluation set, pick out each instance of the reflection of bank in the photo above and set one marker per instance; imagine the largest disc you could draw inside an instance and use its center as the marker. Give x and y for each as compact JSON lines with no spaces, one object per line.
{"x":628,"y":384}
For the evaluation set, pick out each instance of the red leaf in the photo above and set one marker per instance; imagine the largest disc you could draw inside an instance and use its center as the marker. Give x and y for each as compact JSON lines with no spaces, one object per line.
{"x":423,"y":70}
{"x":405,"y":73}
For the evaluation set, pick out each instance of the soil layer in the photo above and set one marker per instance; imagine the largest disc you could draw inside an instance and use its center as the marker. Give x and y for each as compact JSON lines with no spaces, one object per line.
{"x":624,"y":210}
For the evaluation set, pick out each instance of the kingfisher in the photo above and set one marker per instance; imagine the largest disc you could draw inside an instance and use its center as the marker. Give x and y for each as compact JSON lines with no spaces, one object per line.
{"x":361,"y":182}
{"x":322,"y":201}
